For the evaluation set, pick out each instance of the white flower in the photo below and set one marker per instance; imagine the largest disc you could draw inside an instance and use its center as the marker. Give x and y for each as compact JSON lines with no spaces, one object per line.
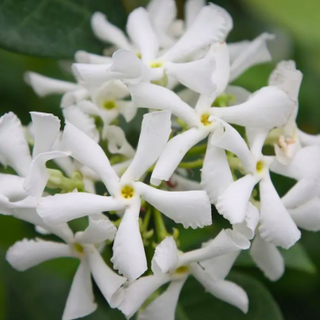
{"x":269,"y":107}
{"x":28,"y":253}
{"x":209,"y":265}
{"x":189,"y":208}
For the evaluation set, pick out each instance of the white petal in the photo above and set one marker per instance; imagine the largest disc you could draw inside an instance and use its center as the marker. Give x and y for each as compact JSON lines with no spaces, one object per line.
{"x":138,"y":292}
{"x":65,"y":207}
{"x":307,"y":216}
{"x":267,"y":108}
{"x":44,"y":85}
{"x":155,"y":132}
{"x":179,"y":183}
{"x":164,"y":306}
{"x":215,"y":174}
{"x":80,"y":300}
{"x":108,"y":32}
{"x":175,"y":150}
{"x":121,"y":167}
{"x":212,"y":24}
{"x":241,"y":95}
{"x":224,"y":290}
{"x":147,"y":95}
{"x":225,"y":242}
{"x":128,"y":250}
{"x":192,"y":9}
{"x":307,"y":139}
{"x":111,"y":90}
{"x":38,"y":174}
{"x":100,"y":229}
{"x":86,"y":57}
{"x":256,"y":138}
{"x":73,"y":97}
{"x":162,"y":14}
{"x":6,"y":207}
{"x":89,"y":153}
{"x":256,"y":52}
{"x":92,"y":74}
{"x":287,"y":77}
{"x":232,"y":204}
{"x":268,"y":258}
{"x":46,"y":128}
{"x":276,"y":225}
{"x":219,"y":267}
{"x":106,"y":279}
{"x":165,"y":258}
{"x":142,"y":35}
{"x":117,"y":142}
{"x":249,"y":225}
{"x":14,"y":149}
{"x":82,"y":121}
{"x":191,"y":208}
{"x":28,"y":253}
{"x":236,"y":48}
{"x":11,"y":186}
{"x":127,"y":109}
{"x":195,"y":75}
{"x":303,"y":191}
{"x":228,"y":138}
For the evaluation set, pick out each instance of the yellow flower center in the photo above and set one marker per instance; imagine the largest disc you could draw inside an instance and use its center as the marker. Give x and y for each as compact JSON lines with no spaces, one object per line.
{"x":127,"y":192}
{"x":260,"y":166}
{"x":109,"y":104}
{"x":78,"y":248}
{"x":205,"y":119}
{"x":182,"y":269}
{"x":155,"y":64}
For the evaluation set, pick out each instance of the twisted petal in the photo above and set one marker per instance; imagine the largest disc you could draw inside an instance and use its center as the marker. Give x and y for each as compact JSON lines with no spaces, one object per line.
{"x":108,"y":32}
{"x":276,"y":225}
{"x":65,"y":207}
{"x":46,"y":129}
{"x":29,"y":253}
{"x":224,"y":290}
{"x":80,"y":300}
{"x":89,"y":153}
{"x":128,"y":251}
{"x":14,"y":149}
{"x":155,"y":131}
{"x":268,"y":258}
{"x":166,"y":257}
{"x":191,"y":208}
{"x":142,"y":35}
{"x":175,"y":150}
{"x":212,"y":24}
{"x":11,"y":186}
{"x":192,"y":9}
{"x":232,"y":204}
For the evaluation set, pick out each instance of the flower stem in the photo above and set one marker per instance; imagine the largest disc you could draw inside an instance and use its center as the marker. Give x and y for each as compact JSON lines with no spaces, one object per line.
{"x":160,"y":226}
{"x":191,"y":164}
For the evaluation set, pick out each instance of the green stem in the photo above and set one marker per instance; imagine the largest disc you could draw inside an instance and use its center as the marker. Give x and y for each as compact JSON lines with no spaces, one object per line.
{"x":201,"y":149}
{"x":160,"y":226}
{"x":147,"y":219}
{"x":181,"y":314}
{"x":191,"y":164}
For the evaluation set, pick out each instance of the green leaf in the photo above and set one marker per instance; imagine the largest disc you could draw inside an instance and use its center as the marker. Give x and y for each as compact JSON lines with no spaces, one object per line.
{"x":2,"y":299}
{"x":196,"y":304}
{"x":54,"y":28}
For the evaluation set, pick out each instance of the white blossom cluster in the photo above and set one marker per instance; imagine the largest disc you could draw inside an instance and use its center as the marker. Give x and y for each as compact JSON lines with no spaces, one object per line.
{"x":180,"y":72}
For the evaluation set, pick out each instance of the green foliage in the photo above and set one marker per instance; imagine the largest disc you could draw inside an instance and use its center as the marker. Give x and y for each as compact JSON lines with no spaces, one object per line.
{"x":54,"y":28}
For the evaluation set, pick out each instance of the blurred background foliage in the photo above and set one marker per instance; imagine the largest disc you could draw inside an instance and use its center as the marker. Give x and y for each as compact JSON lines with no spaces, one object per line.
{"x":49,"y":32}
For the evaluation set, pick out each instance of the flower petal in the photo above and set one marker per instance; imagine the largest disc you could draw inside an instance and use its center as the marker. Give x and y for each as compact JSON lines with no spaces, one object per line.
{"x":138,"y":292}
{"x":147,"y":95}
{"x":44,"y":86}
{"x":191,"y":208}
{"x":224,"y":290}
{"x":65,"y":207}
{"x":29,"y":253}
{"x":232,"y":204}
{"x":276,"y":225}
{"x":166,"y":257}
{"x":164,"y":306}
{"x":254,"y":53}
{"x":106,"y":279}
{"x":155,"y":132}
{"x":87,"y":57}
{"x":180,"y":183}
{"x":73,"y":97}
{"x":192,"y":9}
{"x":48,"y":123}
{"x":89,"y":153}
{"x":127,"y":109}
{"x":267,"y":108}
{"x":11,"y":186}
{"x":307,"y":216}
{"x":106,"y":31}
{"x":100,"y":229}
{"x":307,"y":139}
{"x":241,"y":95}
{"x":14,"y":149}
{"x":80,"y":300}
{"x":268,"y":258}
{"x":6,"y":207}
{"x":175,"y":150}
{"x":212,"y":24}
{"x":128,"y":251}
{"x":142,"y":35}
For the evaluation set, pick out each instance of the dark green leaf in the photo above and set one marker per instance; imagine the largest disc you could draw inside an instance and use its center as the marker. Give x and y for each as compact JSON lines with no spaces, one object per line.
{"x":54,"y":28}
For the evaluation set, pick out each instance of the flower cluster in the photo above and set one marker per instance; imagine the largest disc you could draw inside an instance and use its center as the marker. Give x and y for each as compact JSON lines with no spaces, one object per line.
{"x":180,"y":72}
